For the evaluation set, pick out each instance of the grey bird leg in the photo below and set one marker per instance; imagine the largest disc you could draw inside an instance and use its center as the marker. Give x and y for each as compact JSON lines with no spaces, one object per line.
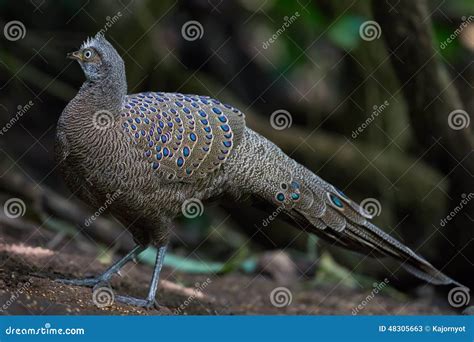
{"x":105,"y":277}
{"x":150,"y":299}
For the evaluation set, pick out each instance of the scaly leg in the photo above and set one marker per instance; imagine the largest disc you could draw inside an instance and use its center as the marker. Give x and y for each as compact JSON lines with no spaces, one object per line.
{"x":105,"y":277}
{"x":150,"y":299}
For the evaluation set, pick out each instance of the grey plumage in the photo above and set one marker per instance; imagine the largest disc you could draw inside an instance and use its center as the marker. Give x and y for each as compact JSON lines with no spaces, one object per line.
{"x":155,"y":150}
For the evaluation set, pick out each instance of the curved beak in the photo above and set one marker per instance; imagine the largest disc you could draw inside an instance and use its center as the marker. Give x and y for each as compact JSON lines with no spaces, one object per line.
{"x":75,"y":55}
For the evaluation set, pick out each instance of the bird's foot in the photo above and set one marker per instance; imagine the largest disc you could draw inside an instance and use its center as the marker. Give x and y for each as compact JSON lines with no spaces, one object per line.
{"x":143,"y":303}
{"x":90,"y":282}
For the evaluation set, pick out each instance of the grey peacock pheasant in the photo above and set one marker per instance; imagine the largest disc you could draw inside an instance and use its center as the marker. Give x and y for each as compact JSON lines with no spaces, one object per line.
{"x":155,"y":150}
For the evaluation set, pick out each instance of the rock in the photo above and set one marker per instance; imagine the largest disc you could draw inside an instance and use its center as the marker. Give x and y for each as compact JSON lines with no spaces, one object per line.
{"x":279,"y":266}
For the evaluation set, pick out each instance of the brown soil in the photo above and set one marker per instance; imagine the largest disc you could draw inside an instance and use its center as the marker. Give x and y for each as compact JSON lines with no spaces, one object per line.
{"x":31,"y":270}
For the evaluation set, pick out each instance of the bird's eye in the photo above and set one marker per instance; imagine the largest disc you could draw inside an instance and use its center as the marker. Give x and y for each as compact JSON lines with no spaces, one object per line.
{"x":87,"y":54}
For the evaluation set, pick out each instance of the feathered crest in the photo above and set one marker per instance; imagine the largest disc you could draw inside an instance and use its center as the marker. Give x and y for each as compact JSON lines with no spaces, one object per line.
{"x":91,"y":41}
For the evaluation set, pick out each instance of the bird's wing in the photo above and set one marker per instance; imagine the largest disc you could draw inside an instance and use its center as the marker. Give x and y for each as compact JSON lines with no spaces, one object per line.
{"x":182,"y":137}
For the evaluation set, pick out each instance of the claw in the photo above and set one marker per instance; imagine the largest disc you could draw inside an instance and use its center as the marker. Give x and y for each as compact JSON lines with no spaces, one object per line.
{"x":80,"y":282}
{"x":144,"y":303}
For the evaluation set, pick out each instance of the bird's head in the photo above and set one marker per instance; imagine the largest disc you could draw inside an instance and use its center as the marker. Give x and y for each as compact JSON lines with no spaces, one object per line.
{"x":98,"y":58}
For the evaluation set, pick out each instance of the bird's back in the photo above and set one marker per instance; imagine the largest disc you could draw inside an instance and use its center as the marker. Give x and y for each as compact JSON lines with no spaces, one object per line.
{"x":182,"y":137}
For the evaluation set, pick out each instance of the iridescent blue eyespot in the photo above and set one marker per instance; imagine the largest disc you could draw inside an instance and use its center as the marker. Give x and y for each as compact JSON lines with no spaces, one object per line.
{"x":295,"y":196}
{"x":156,"y":165}
{"x":280,"y":197}
{"x":186,"y":151}
{"x":192,"y":136}
{"x":202,"y":113}
{"x":180,"y":161}
{"x":336,"y":201}
{"x":216,"y":110}
{"x":222,"y":118}
{"x":166,"y":152}
{"x":227,"y":143}
{"x":225,"y":128}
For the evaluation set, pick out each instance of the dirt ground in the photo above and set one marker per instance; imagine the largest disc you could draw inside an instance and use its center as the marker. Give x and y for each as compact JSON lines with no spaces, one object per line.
{"x":27,"y":286}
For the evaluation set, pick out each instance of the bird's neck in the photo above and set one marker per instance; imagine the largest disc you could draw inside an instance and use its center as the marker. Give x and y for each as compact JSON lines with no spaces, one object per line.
{"x":105,"y":94}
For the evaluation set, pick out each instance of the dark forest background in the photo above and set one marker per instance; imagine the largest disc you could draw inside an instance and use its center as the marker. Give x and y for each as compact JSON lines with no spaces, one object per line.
{"x":407,"y":160}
